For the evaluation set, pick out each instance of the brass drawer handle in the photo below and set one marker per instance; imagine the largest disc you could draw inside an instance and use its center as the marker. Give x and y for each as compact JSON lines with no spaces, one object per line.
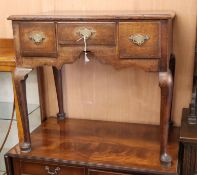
{"x":85,"y":33}
{"x":52,"y":172}
{"x":139,"y":39}
{"x":37,"y":38}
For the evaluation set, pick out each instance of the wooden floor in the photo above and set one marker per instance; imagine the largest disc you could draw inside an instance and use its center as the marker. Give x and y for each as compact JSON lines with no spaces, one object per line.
{"x":94,"y":143}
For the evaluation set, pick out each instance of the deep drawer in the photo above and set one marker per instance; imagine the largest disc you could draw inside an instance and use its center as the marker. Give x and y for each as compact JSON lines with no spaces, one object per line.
{"x":45,"y":168}
{"x":38,"y":39}
{"x":139,"y":40}
{"x":100,"y":33}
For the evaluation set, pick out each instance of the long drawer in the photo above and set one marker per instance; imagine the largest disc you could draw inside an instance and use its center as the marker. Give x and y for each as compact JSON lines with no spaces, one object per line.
{"x":100,"y":33}
{"x":96,"y":172}
{"x":49,"y":168}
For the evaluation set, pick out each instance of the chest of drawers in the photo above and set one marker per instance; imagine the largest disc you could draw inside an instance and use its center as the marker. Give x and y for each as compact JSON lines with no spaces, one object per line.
{"x":88,"y":147}
{"x":188,"y":142}
{"x":121,"y":39}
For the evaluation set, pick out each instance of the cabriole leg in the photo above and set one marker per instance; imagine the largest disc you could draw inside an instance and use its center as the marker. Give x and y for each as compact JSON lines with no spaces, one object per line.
{"x":20,"y":76}
{"x":166,"y":85}
{"x":58,"y":84}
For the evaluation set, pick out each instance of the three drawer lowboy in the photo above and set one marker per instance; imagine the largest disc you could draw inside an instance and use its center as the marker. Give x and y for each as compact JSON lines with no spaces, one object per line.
{"x":121,"y":39}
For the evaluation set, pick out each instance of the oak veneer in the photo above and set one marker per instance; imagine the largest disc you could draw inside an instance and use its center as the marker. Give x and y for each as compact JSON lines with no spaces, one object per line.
{"x":105,"y":33}
{"x":47,"y":49}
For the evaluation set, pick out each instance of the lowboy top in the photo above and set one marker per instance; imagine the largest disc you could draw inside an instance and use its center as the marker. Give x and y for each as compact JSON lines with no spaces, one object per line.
{"x":95,"y":15}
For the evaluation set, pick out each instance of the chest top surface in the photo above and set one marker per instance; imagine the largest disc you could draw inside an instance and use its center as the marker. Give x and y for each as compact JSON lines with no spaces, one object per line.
{"x":87,"y":14}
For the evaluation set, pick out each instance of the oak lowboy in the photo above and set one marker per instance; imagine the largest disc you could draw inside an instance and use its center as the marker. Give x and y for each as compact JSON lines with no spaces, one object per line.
{"x":122,"y":39}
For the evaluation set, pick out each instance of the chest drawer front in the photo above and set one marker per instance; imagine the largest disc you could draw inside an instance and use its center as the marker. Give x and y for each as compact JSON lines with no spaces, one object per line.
{"x":99,"y":33}
{"x":139,"y":40}
{"x":38,"y":39}
{"x":51,"y":169}
{"x":96,"y":172}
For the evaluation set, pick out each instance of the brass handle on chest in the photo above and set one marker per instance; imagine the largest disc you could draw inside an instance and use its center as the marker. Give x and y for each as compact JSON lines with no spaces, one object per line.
{"x":138,"y":39}
{"x":37,"y":38}
{"x":52,"y":172}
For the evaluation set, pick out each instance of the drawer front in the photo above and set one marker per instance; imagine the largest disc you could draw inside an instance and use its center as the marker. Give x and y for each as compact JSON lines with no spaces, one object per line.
{"x":96,"y":172}
{"x":99,"y":33}
{"x":52,"y":169}
{"x":139,"y":40}
{"x":38,"y":39}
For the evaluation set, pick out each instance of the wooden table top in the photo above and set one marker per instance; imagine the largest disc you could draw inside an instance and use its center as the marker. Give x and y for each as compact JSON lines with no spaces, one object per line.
{"x":95,"y":14}
{"x":7,"y":53}
{"x":98,"y":143}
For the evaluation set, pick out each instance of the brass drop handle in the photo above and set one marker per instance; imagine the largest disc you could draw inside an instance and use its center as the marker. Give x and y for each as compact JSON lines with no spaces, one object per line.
{"x":138,"y":39}
{"x":85,"y":34}
{"x":52,"y":172}
{"x":37,"y":38}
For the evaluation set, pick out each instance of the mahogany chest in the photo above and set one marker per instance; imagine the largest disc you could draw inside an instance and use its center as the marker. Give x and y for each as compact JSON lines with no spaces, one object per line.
{"x":188,"y":140}
{"x":88,"y":147}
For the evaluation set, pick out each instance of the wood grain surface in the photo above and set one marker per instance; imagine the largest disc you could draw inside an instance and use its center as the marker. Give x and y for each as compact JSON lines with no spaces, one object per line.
{"x":106,"y":145}
{"x":125,"y":92}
